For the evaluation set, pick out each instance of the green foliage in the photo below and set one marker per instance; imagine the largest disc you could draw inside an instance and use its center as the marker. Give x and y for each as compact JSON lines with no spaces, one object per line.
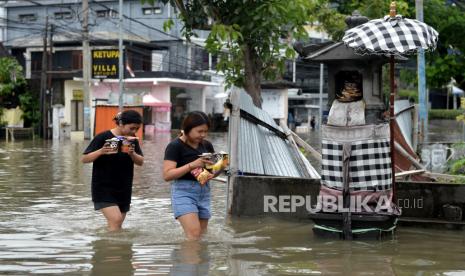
{"x":373,"y":8}
{"x":332,"y":13}
{"x":29,"y":104}
{"x":446,"y":114}
{"x":408,"y":78}
{"x":447,"y":61}
{"x":11,"y":76}
{"x":252,"y":38}
{"x":13,"y":84}
{"x":331,"y":20}
{"x":408,"y":94}
{"x":456,"y":164}
{"x":168,"y":24}
{"x":458,"y":167}
{"x":2,"y":123}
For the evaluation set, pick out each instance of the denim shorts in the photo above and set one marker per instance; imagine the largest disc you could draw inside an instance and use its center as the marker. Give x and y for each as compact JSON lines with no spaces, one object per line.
{"x":189,"y":196}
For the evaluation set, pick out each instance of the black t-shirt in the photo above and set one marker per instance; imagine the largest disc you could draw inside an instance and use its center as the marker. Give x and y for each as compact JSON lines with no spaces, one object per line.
{"x":182,"y":154}
{"x":111,"y":174}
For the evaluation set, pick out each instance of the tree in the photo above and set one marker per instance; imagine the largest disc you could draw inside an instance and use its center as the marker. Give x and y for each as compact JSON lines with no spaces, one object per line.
{"x":332,"y":13}
{"x":252,"y":38}
{"x":10,"y":79}
{"x":448,"y":61}
{"x":14,"y":90}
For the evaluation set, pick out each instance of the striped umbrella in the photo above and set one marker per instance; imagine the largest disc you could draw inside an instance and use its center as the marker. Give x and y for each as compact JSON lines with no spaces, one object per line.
{"x":392,"y":36}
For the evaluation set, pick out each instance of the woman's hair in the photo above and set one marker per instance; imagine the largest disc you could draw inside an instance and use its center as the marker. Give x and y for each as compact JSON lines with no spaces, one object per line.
{"x":128,"y":117}
{"x":194,"y":119}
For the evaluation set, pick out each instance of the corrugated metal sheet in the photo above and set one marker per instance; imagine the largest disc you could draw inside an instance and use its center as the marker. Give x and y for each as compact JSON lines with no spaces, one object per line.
{"x":404,"y":120}
{"x":260,"y":150}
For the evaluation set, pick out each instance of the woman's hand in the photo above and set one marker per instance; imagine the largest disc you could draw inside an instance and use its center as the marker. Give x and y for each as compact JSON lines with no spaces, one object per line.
{"x":107,"y":149}
{"x":92,"y":156}
{"x":131,"y":150}
{"x":199,"y":163}
{"x":136,"y":158}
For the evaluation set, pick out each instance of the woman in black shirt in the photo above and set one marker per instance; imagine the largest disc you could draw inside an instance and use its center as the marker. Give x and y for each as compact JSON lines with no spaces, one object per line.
{"x":190,"y":200}
{"x":113,"y":170}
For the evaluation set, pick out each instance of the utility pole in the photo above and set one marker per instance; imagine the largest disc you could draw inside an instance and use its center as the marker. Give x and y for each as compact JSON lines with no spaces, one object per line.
{"x":43,"y":83}
{"x":320,"y":121}
{"x":86,"y":67}
{"x":120,"y":57}
{"x":422,"y":96}
{"x":49,"y":89}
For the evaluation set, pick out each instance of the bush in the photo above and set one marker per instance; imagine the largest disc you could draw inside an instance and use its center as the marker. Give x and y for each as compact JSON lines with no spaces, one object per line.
{"x":408,"y":94}
{"x":447,"y":114}
{"x":29,"y":104}
{"x":458,"y":167}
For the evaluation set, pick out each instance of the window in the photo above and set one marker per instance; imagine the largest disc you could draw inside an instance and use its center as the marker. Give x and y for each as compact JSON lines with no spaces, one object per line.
{"x":160,"y":60}
{"x":149,"y":11}
{"x":107,"y":13}
{"x":27,"y":17}
{"x":63,"y":15}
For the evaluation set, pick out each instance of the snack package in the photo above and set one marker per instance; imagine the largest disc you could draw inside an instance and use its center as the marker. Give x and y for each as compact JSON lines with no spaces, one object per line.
{"x":202,"y":175}
{"x":114,"y":144}
{"x":127,"y":143}
{"x":220,"y":161}
{"x":121,"y":143}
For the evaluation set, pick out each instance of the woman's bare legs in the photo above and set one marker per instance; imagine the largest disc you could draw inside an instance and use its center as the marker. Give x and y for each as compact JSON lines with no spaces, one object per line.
{"x":114,"y":217}
{"x":193,"y":226}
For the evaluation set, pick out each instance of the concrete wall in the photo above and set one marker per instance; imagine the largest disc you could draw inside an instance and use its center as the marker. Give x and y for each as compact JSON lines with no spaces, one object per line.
{"x":426,"y":200}
{"x":249,"y":193}
{"x":417,"y":200}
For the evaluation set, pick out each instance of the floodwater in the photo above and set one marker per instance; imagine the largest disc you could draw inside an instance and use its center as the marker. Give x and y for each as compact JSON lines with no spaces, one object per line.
{"x":48,"y":226}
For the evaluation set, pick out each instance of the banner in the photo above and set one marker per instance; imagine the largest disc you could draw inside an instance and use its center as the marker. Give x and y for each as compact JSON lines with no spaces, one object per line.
{"x":105,"y":64}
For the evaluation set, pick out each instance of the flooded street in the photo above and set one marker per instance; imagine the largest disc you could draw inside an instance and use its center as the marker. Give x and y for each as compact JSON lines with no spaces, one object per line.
{"x":48,"y":226}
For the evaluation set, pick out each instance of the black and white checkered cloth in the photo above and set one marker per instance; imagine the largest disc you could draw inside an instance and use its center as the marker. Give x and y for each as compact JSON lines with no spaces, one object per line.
{"x":398,"y":36}
{"x":369,"y":165}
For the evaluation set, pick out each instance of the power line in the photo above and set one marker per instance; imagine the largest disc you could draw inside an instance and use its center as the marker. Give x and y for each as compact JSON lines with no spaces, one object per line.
{"x":141,"y":23}
{"x":78,"y":31}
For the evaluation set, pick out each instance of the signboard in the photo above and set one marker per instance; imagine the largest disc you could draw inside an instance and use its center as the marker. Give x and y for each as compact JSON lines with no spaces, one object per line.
{"x":462,"y":102}
{"x":105,"y":64}
{"x":78,"y":95}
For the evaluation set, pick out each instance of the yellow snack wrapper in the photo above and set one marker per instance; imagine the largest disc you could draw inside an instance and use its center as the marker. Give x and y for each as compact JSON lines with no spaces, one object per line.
{"x":220,"y":162}
{"x":202,"y":175}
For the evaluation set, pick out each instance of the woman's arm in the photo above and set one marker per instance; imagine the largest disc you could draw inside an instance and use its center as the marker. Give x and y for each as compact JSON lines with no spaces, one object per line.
{"x":170,"y":172}
{"x":136,"y":158}
{"x":92,"y":156}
